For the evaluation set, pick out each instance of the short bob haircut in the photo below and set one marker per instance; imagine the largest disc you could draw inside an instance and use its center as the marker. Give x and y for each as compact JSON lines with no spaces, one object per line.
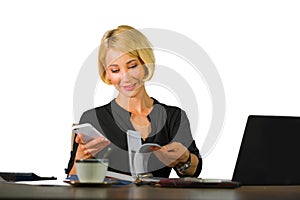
{"x":128,"y":40}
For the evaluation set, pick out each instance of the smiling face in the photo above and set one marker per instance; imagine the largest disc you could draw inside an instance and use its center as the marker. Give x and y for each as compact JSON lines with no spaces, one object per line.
{"x":125,"y":72}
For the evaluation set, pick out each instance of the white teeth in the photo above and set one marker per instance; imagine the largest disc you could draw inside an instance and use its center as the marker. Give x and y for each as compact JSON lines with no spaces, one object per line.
{"x":129,"y":85}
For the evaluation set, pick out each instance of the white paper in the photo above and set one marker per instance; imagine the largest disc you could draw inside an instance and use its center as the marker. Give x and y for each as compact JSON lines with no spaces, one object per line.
{"x":138,"y":154}
{"x":119,"y":176}
{"x":44,"y":183}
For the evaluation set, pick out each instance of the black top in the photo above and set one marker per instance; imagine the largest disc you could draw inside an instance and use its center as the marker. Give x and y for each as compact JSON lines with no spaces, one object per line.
{"x":168,"y":124}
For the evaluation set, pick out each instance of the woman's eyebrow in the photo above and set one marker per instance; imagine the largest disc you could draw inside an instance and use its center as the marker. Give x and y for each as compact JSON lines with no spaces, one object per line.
{"x":116,"y":65}
{"x":113,"y":65}
{"x":132,"y":60}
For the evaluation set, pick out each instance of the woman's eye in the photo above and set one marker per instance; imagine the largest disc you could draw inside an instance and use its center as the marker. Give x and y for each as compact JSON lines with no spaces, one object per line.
{"x":115,"y":70}
{"x":132,"y":66}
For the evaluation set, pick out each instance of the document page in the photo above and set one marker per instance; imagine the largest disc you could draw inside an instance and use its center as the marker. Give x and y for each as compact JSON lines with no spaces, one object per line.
{"x":138,"y":154}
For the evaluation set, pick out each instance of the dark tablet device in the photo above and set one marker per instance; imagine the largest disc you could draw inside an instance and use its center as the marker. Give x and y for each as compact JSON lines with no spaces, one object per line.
{"x":17,"y":176}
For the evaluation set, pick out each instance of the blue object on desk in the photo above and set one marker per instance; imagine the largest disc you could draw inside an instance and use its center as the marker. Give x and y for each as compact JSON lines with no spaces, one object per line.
{"x":73,"y":177}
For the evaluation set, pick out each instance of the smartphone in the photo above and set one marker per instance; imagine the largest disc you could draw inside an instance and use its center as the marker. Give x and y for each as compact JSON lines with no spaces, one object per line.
{"x":87,"y":130}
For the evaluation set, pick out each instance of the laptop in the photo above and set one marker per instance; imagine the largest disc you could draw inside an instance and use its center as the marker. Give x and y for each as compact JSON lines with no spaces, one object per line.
{"x":269,"y":152}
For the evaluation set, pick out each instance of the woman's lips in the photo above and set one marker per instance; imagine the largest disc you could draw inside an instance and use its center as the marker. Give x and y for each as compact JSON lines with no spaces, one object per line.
{"x":129,"y":87}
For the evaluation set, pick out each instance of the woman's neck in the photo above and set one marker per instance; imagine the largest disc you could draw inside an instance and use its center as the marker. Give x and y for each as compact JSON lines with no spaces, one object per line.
{"x":138,"y":104}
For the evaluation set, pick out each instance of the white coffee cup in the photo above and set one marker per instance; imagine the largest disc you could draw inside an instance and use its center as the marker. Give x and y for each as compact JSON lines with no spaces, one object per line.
{"x":91,"y":170}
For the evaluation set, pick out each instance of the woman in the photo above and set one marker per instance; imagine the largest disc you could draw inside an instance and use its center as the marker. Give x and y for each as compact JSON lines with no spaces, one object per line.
{"x":126,"y":60}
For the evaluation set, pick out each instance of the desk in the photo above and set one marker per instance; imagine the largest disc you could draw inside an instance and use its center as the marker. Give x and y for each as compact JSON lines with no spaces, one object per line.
{"x":16,"y":191}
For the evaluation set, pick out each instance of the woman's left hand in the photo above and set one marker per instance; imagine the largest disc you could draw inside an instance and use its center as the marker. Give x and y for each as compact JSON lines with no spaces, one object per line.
{"x":172,"y":154}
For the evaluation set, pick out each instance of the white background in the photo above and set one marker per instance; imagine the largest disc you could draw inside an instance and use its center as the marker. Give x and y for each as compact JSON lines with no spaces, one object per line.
{"x":254,"y":45}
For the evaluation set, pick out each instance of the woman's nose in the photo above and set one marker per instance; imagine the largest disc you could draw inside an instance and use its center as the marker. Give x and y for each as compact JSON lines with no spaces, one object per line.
{"x":126,"y":76}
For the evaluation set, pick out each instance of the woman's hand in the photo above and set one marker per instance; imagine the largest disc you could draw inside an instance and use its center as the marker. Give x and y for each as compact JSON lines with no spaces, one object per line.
{"x":171,"y":154}
{"x":89,"y":149}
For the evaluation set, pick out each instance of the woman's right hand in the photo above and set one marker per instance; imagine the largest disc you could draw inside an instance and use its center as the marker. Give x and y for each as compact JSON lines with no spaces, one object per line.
{"x":89,"y":149}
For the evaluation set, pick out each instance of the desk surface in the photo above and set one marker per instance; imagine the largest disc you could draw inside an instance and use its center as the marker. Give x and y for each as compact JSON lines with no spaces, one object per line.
{"x":17,"y":191}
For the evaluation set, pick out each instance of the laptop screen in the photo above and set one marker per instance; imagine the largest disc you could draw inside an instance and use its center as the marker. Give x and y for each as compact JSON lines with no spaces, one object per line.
{"x":269,"y":152}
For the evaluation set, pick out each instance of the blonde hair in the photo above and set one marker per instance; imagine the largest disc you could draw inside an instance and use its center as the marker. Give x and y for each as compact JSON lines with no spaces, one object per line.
{"x":127,"y":40}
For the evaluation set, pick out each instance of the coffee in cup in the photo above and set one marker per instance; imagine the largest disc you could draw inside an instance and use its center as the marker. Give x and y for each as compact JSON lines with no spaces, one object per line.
{"x":91,"y":170}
